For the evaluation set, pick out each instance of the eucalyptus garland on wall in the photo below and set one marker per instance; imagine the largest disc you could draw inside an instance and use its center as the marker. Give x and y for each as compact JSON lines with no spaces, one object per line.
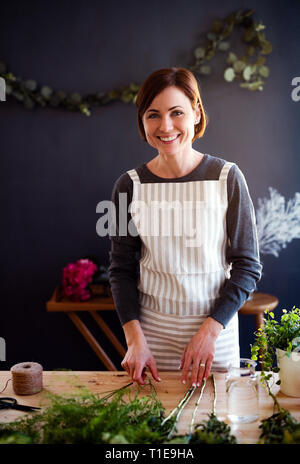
{"x":250,"y":68}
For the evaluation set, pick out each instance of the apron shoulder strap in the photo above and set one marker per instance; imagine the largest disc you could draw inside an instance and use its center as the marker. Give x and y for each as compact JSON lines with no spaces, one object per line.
{"x":225,"y":170}
{"x":134,"y":176}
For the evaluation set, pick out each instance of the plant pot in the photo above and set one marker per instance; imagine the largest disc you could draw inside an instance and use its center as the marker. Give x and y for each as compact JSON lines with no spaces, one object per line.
{"x":289,"y":373}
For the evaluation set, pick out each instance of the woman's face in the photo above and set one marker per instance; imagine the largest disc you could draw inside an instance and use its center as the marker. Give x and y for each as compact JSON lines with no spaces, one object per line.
{"x":169,"y":122}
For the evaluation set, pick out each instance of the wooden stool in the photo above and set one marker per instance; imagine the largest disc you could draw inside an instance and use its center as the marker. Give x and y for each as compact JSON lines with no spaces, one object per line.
{"x":257,"y":306}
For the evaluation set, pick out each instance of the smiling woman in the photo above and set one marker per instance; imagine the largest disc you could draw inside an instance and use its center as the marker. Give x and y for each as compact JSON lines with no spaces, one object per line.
{"x":180,"y":309}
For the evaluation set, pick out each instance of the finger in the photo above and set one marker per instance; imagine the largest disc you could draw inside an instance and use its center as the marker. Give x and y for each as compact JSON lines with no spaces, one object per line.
{"x":130,"y":369}
{"x":144,"y":374}
{"x":202,"y":367}
{"x":186,"y":369}
{"x":125,"y":366}
{"x":182,"y":359}
{"x":208,"y":368}
{"x":137,"y":374}
{"x":194,"y":373}
{"x":153,"y":369}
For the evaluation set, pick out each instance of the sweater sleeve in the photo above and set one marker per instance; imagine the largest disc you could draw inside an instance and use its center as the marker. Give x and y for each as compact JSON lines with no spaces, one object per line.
{"x":124,"y":256}
{"x":242,"y":250}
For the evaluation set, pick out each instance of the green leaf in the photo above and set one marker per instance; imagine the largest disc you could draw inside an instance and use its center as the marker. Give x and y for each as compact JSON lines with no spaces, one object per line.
{"x":211,"y":36}
{"x":30,"y":84}
{"x":245,"y":59}
{"x":46,"y":91}
{"x":264,"y":71}
{"x":259,"y":27}
{"x":250,"y":50}
{"x":239,"y":66}
{"x":267,"y":48}
{"x":247,"y":73}
{"x":10,"y":77}
{"x":253,"y":68}
{"x":118,"y":439}
{"x":199,"y":52}
{"x":260,"y":61}
{"x":228,"y":28}
{"x":205,"y":69}
{"x":84,"y":109}
{"x":231,"y":58}
{"x":210,"y":54}
{"x":134,"y":87}
{"x":223,"y":46}
{"x":249,"y":34}
{"x":126,"y":97}
{"x":261,"y":38}
{"x":75,"y":98}
{"x":113,"y":94}
{"x":229,"y":74}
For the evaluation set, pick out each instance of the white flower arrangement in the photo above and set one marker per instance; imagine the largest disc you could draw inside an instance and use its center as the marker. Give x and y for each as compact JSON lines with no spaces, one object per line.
{"x":278,"y":222}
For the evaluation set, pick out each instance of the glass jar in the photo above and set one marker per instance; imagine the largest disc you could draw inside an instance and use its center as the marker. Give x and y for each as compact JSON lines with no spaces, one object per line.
{"x":242,"y":392}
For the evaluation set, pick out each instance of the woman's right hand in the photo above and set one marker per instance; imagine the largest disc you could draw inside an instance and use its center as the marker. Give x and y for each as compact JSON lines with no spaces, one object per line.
{"x":138,"y":356}
{"x":136,"y":360}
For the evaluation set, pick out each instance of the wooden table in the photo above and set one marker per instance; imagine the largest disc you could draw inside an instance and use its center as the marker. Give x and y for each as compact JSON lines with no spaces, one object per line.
{"x":170,"y":391}
{"x":59,"y":302}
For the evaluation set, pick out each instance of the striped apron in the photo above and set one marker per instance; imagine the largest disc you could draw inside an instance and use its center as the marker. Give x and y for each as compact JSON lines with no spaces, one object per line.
{"x":182,"y":226}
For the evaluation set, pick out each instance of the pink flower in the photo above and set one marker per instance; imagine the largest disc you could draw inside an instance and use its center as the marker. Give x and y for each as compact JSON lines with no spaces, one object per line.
{"x":76,"y":277}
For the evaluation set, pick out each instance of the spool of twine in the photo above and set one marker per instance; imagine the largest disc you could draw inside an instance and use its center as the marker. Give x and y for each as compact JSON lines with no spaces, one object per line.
{"x":27,"y":378}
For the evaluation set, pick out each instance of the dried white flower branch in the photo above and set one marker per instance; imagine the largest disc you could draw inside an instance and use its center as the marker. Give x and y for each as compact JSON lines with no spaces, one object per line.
{"x":277,"y":223}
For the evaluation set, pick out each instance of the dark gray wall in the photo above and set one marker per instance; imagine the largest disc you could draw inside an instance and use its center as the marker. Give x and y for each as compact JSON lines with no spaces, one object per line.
{"x":57,"y":165}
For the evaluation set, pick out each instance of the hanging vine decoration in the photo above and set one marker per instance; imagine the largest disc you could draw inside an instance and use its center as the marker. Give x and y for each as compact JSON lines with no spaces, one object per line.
{"x":249,"y":68}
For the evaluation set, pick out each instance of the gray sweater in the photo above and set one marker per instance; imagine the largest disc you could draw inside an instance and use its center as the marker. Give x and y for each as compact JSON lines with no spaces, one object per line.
{"x":243,"y":252}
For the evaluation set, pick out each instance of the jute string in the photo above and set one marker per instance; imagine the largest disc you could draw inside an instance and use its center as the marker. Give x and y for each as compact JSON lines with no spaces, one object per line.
{"x":27,"y":378}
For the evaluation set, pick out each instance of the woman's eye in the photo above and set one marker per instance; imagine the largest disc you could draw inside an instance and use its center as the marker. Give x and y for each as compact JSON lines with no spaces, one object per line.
{"x":174,"y":113}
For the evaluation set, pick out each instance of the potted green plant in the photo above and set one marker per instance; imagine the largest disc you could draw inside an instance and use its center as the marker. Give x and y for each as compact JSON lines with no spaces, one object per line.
{"x":280,"y":341}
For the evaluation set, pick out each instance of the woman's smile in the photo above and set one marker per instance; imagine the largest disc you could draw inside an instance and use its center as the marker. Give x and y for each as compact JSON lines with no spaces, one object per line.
{"x":167,"y":139}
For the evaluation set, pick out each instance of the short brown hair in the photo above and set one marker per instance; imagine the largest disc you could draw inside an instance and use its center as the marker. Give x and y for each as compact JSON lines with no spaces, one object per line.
{"x":158,"y":81}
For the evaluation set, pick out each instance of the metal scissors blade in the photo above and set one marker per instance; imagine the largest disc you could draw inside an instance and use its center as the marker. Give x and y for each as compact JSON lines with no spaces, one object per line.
{"x":7,"y":402}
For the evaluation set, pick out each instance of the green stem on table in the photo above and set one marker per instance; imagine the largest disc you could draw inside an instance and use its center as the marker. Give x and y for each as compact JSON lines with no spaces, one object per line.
{"x":178,"y":406}
{"x":182,"y":403}
{"x":215,"y":394}
{"x":276,"y":403}
{"x":265,"y":377}
{"x":196,"y":407}
{"x":113,"y":392}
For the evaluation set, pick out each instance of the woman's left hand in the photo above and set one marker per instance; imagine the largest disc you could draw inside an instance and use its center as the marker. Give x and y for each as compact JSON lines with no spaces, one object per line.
{"x":200,"y":352}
